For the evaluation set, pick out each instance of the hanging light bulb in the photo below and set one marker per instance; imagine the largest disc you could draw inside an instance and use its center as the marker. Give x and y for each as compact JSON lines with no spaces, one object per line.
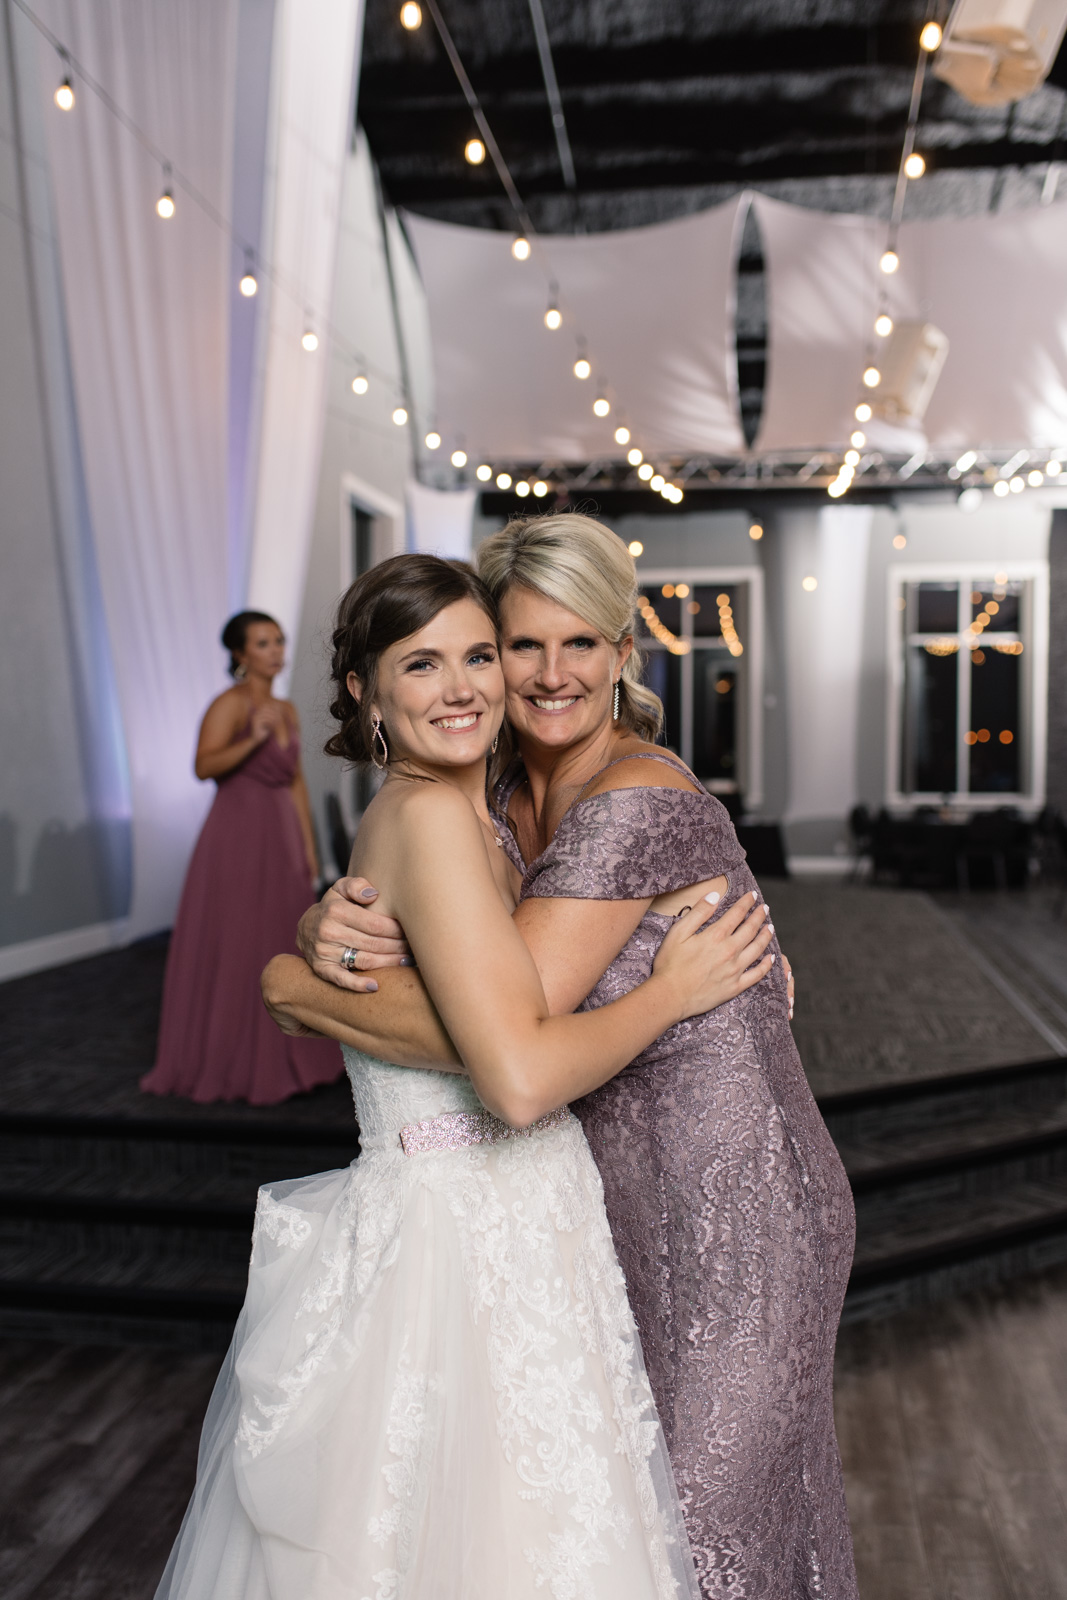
{"x":872,"y":377}
{"x":634,"y":457}
{"x":400,"y":416}
{"x":636,"y":548}
{"x":540,"y":488}
{"x":756,"y":531}
{"x":863,"y":412}
{"x":890,"y":261}
{"x":165,"y":203}
{"x":433,"y":440}
{"x":1035,"y":478}
{"x":645,"y":471}
{"x":657,"y":481}
{"x":858,"y":439}
{"x":622,"y":435}
{"x":915,"y":166}
{"x":553,"y":318}
{"x":883,"y":325}
{"x":1053,"y":468}
{"x":930,"y":37}
{"x":459,"y":458}
{"x":483,"y":473}
{"x":835,"y":490}
{"x":1000,"y":488}
{"x":474,"y":152}
{"x":503,"y":480}
{"x":64,"y":95}
{"x":522,"y":488}
{"x":520,"y":247}
{"x":310,"y":340}
{"x":248,"y":284}
{"x":601,"y":406}
{"x":411,"y":15}
{"x":582,"y":369}
{"x":360,"y":384}
{"x":852,"y":458}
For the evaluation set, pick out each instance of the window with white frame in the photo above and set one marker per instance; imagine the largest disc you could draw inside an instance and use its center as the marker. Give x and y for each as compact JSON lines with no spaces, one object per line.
{"x":968,"y":673}
{"x":701,"y":631}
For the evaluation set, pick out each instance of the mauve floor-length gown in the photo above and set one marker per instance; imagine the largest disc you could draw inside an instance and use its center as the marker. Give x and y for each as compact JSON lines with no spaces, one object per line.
{"x":731,"y":1214}
{"x":247,"y":887}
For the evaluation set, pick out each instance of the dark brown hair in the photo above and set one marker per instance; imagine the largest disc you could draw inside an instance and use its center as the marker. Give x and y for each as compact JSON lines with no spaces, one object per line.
{"x":389,"y":603}
{"x":235,"y":633}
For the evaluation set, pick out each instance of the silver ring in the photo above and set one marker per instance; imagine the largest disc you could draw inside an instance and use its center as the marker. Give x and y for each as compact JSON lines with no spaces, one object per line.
{"x":348,"y":958}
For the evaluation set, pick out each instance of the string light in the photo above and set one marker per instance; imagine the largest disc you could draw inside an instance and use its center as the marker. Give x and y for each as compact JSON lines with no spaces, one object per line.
{"x":622,"y":435}
{"x":1000,"y":489}
{"x":1016,"y":485}
{"x":858,"y":439}
{"x":645,"y":471}
{"x":432,"y":441}
{"x":889,"y":262}
{"x":483,"y":473}
{"x":657,"y":481}
{"x":872,"y":377}
{"x":914,"y":165}
{"x":726,"y":625}
{"x":634,"y":457}
{"x":411,"y":15}
{"x":863,"y":412}
{"x":659,"y":629}
{"x":165,"y":203}
{"x":852,"y":458}
{"x":503,"y":480}
{"x":883,"y":325}
{"x":400,"y":416}
{"x":582,"y":369}
{"x":836,"y":489}
{"x":459,"y":458}
{"x":553,"y":318}
{"x":64,"y":95}
{"x":1035,"y":478}
{"x":520,"y":247}
{"x":930,"y":37}
{"x":601,"y":406}
{"x":967,"y":461}
{"x":1053,"y":468}
{"x":540,"y":488}
{"x":522,"y":489}
{"x":310,"y":340}
{"x":248,"y":284}
{"x":474,"y":152}
{"x":360,"y":386}
{"x":809,"y":584}
{"x":636,"y":548}
{"x":756,"y":531}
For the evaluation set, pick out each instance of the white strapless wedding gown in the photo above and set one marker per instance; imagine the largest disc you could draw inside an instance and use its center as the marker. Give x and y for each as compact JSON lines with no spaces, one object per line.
{"x":435,"y":1389}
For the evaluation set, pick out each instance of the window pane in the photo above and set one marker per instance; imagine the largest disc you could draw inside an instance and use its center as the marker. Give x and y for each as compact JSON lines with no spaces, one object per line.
{"x":936,"y":609}
{"x":663,"y":674}
{"x":715,"y":694}
{"x":1000,"y":605}
{"x":930,"y":697}
{"x":994,"y":736}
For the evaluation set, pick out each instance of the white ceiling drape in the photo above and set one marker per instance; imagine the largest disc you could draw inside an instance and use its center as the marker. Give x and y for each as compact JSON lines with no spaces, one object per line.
{"x":994,"y":285}
{"x":655,"y":306}
{"x":146,"y":305}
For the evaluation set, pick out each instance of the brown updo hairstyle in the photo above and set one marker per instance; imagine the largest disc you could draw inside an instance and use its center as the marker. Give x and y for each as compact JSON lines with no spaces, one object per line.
{"x":235,"y":633}
{"x":389,"y":603}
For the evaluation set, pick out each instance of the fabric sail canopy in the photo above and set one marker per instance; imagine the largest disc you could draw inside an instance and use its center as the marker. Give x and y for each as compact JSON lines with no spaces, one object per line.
{"x":993,"y":285}
{"x":653,"y":305}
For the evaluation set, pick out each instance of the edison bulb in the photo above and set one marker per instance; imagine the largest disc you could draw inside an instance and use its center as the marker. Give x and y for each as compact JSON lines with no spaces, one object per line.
{"x":915,"y":166}
{"x":890,"y":261}
{"x":310,"y":341}
{"x":483,"y":473}
{"x":474,"y":152}
{"x":540,"y":488}
{"x":64,"y":96}
{"x":400,"y":416}
{"x":852,"y":458}
{"x":622,"y":435}
{"x":248,"y":285}
{"x":520,"y":248}
{"x":459,"y":458}
{"x":359,"y":384}
{"x":635,"y":457}
{"x":433,"y":441}
{"x":858,"y":439}
{"x":165,"y":205}
{"x":883,"y":325}
{"x":553,"y":318}
{"x":503,"y":480}
{"x":872,"y":377}
{"x":863,"y":412}
{"x":522,"y":488}
{"x":930,"y":37}
{"x":644,"y":472}
{"x":601,"y":406}
{"x":657,"y":481}
{"x":410,"y":15}
{"x":582,"y":369}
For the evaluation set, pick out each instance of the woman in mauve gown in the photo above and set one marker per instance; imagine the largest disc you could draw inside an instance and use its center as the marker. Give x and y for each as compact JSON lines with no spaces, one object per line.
{"x":729,"y":1207}
{"x":250,"y":878}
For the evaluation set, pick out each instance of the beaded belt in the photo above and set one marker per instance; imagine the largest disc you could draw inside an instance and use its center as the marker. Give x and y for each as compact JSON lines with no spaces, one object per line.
{"x":457,"y":1129}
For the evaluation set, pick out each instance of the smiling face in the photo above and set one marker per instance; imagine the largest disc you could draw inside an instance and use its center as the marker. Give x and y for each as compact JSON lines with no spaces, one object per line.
{"x":559,"y":671}
{"x":440,"y":691}
{"x":263,"y":653}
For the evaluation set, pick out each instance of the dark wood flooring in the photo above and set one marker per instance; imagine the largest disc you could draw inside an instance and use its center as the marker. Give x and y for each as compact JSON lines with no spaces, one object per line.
{"x":952,"y":1421}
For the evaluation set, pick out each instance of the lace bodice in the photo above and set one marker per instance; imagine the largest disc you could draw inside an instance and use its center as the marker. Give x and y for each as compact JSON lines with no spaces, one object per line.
{"x":388,"y":1098}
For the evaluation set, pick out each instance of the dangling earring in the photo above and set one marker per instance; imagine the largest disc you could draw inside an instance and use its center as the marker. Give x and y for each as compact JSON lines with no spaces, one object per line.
{"x":615,"y":699}
{"x":240,"y":672}
{"x":378,"y":737}
{"x":496,"y":741}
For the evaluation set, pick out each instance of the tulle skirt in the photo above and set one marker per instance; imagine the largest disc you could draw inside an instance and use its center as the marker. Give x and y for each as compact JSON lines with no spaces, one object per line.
{"x":435,"y":1392}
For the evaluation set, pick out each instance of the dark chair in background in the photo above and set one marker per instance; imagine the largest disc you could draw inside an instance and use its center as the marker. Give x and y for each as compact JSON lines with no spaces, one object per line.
{"x":861,"y":836}
{"x":340,"y":841}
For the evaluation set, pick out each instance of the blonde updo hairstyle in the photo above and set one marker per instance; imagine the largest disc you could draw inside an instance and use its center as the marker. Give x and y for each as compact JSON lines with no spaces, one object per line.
{"x":583,"y":566}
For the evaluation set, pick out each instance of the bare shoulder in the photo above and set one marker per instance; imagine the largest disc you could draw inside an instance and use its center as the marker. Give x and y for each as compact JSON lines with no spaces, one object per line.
{"x":229,"y":706}
{"x":637,"y":771}
{"x":425,"y":813}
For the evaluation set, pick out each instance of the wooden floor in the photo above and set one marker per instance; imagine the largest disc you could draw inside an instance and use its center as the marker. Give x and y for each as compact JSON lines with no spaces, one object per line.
{"x":952,"y":1421}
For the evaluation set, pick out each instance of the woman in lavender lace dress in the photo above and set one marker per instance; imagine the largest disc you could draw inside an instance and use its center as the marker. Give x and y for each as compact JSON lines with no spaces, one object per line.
{"x":729,"y":1207}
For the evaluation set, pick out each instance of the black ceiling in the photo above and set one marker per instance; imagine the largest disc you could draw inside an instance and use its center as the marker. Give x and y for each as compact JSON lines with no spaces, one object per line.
{"x":673,"y":105}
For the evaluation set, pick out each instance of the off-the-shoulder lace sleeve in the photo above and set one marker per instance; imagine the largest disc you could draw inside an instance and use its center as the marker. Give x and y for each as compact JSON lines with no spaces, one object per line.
{"x":627,"y":844}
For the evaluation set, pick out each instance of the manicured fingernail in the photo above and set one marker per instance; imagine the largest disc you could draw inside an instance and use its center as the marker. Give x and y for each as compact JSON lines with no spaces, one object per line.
{"x":755,"y":894}
{"x":407,"y":961}
{"x":713,"y":898}
{"x":368,"y":893}
{"x":773,"y":960}
{"x":770,"y":927}
{"x":372,"y":987}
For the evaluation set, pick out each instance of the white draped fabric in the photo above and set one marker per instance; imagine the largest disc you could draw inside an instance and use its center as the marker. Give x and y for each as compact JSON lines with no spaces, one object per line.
{"x":441,"y":521}
{"x":654,"y":304}
{"x":315,"y":62}
{"x":994,"y":285}
{"x":146,"y":304}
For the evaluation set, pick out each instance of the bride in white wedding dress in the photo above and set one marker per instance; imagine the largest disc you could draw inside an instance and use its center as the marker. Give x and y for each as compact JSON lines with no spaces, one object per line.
{"x":435,"y":1389}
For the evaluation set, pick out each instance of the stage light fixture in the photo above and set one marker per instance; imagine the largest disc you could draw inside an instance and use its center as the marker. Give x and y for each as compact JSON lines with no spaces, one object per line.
{"x":459,"y":458}
{"x":635,"y":457}
{"x":862,"y":412}
{"x":432,"y":441}
{"x":890,"y":261}
{"x":474,"y":152}
{"x":930,"y":37}
{"x":360,"y":384}
{"x":411,"y":15}
{"x":582,"y":369}
{"x":400,"y":416}
{"x":64,"y":96}
{"x":503,"y":480}
{"x":553,"y":318}
{"x":310,"y":340}
{"x":483,"y":473}
{"x":915,"y":165}
{"x":520,"y":247}
{"x":601,"y":406}
{"x":883,"y":325}
{"x":622,"y":435}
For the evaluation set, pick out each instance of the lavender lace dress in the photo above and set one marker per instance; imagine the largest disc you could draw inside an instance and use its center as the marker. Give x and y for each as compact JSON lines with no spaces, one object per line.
{"x":731,"y":1215}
